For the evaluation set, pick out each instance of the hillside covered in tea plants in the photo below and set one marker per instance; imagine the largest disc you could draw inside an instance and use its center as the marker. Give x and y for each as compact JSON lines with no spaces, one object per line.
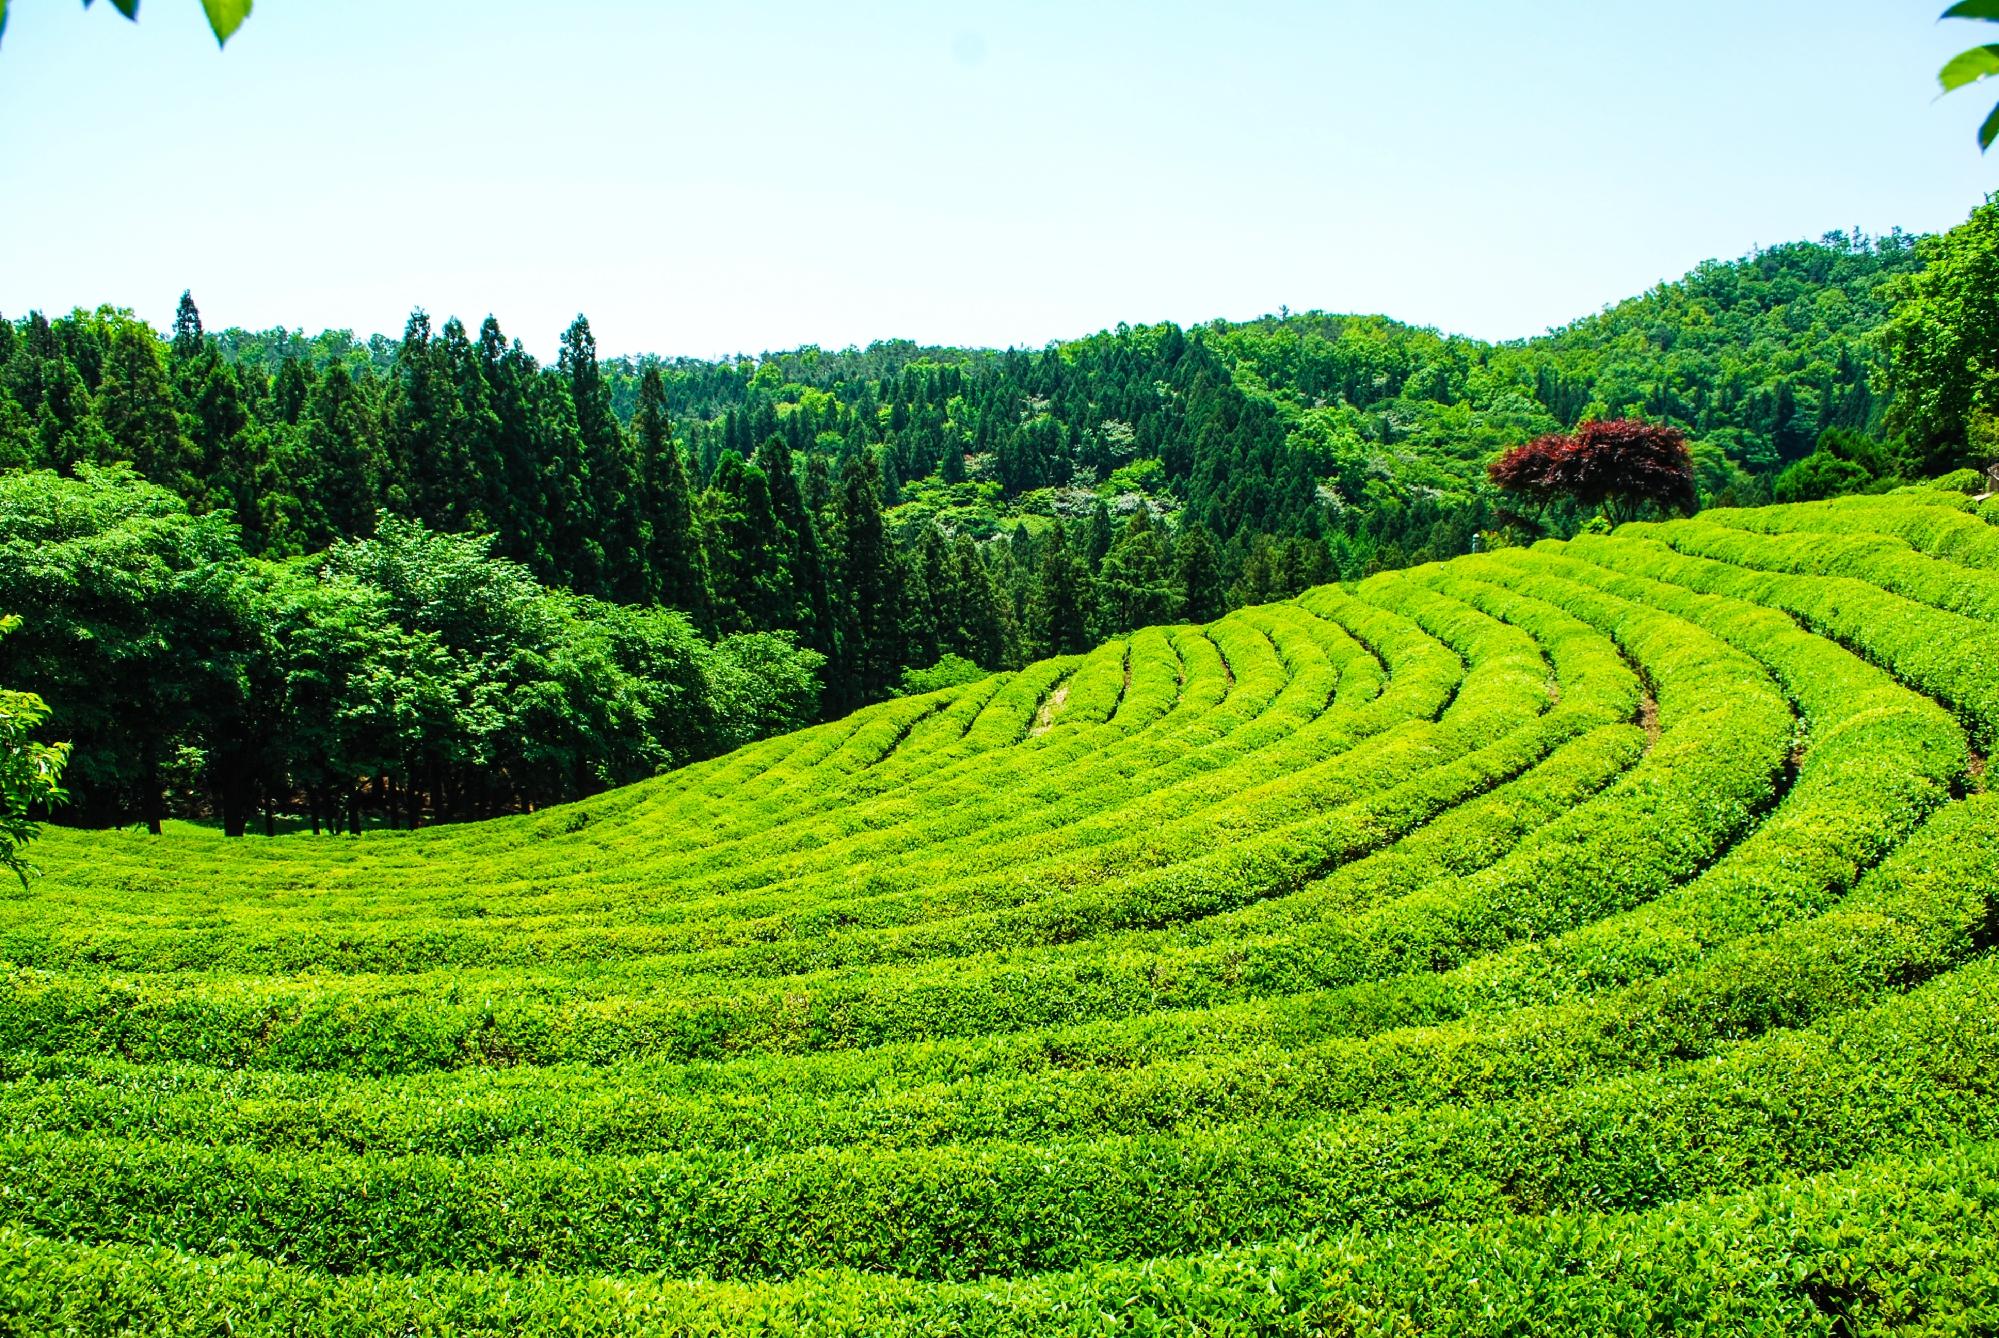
{"x":1593,"y":937}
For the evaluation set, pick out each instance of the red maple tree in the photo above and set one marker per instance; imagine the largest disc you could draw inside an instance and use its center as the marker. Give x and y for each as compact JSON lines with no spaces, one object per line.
{"x":1614,"y":466}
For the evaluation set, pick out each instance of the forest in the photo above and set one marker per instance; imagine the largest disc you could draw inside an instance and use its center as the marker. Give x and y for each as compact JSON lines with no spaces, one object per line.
{"x":431,"y":579}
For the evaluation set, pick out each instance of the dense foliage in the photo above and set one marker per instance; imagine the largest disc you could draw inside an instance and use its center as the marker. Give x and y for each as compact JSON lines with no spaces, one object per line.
{"x":1597,"y":937}
{"x":1617,"y":468}
{"x":408,"y":672}
{"x":895,"y":508}
{"x":30,"y":770}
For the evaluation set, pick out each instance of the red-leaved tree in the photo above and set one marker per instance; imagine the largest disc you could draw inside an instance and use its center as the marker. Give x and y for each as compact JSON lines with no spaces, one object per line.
{"x":1614,"y":467}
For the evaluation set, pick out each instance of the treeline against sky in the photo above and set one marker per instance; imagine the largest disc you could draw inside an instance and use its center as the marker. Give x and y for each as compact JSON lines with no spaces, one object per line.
{"x":890,"y":510}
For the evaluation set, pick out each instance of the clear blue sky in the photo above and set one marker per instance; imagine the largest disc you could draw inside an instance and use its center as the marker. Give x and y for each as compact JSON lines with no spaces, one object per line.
{"x":711,"y":178}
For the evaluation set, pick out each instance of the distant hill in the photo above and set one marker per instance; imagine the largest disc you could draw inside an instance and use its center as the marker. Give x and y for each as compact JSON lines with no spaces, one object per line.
{"x":894,"y":504}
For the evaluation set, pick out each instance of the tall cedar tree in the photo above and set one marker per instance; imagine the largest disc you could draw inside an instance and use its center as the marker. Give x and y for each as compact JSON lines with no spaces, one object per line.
{"x":516,"y":497}
{"x":676,"y":566}
{"x":751,"y":587}
{"x":1135,"y":586}
{"x":135,"y":407}
{"x":871,"y":622}
{"x":615,"y":542}
{"x":805,"y":564}
{"x":1061,"y":599}
{"x":339,"y":475}
{"x":1197,"y":563}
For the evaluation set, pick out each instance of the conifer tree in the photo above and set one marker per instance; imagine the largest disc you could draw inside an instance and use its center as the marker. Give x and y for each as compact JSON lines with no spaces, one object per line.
{"x":871,"y":621}
{"x":339,"y":476}
{"x":556,"y":447}
{"x":134,"y":405}
{"x":952,"y":469}
{"x":188,"y":340}
{"x":616,"y":544}
{"x":1198,"y":575}
{"x":1135,"y":587}
{"x":481,"y":506}
{"x":676,"y":566}
{"x":1097,"y":537}
{"x":423,"y":438}
{"x":229,"y":445}
{"x":804,"y":562}
{"x":744,"y":551}
{"x":516,"y":503}
{"x":1060,"y":611}
{"x":985,"y":631}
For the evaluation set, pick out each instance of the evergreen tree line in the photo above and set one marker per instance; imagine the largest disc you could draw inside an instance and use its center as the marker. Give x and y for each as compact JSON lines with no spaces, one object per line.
{"x":774,"y":515}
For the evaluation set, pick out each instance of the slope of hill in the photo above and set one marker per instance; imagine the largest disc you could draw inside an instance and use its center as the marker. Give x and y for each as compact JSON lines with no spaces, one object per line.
{"x":1591,"y":938}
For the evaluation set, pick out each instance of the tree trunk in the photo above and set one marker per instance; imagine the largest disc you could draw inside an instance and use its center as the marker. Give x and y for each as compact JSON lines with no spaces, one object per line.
{"x":232,"y":797}
{"x":149,"y":802}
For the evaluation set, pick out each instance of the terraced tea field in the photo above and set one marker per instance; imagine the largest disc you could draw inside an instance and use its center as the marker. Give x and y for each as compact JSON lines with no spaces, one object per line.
{"x":1592,"y":938}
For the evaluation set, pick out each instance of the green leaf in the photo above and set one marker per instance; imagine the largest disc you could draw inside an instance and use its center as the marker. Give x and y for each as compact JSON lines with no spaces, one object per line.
{"x":1989,"y":132}
{"x":3,"y":18}
{"x":225,"y":16}
{"x":129,"y":8}
{"x":1974,"y":9}
{"x":1968,"y":67}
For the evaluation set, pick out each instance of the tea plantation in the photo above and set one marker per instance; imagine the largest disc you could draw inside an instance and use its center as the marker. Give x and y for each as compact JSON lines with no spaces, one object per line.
{"x":1592,"y":938}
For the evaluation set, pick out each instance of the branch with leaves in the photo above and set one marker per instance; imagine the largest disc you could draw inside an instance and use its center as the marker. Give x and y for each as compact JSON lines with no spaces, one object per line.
{"x":1979,"y":63}
{"x":224,"y":16}
{"x":30,"y":772}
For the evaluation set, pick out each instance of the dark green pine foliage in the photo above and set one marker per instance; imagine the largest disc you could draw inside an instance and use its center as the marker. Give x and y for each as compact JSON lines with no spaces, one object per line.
{"x":615,"y":545}
{"x":188,"y":338}
{"x":517,"y":495}
{"x":1136,"y":585}
{"x":339,"y":466}
{"x":870,"y":619}
{"x":290,"y":389}
{"x":952,"y":467}
{"x":424,"y":436}
{"x":482,"y":505}
{"x":229,"y":442}
{"x":1097,"y":536}
{"x":820,"y":498}
{"x":926,"y":598}
{"x":1060,"y":612}
{"x":134,"y":405}
{"x":676,"y":565}
{"x":985,"y":631}
{"x":745,"y":567}
{"x":556,"y":447}
{"x":798,"y":538}
{"x":1197,"y":575}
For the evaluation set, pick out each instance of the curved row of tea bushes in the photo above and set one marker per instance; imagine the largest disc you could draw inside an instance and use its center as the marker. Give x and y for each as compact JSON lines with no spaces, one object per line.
{"x":1907,"y":1076}
{"x":1892,"y":1245}
{"x":1921,"y":913}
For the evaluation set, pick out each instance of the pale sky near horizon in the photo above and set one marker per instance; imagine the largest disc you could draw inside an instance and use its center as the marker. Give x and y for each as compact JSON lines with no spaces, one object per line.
{"x":707,"y":179}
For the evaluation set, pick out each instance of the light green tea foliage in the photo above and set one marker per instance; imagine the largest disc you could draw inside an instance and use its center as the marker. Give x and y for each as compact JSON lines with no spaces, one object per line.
{"x":1591,"y":938}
